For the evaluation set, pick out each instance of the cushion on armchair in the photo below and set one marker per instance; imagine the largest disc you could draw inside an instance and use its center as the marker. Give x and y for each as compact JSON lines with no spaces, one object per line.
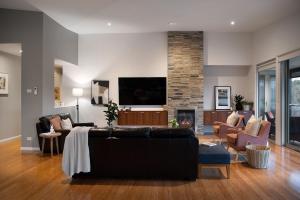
{"x":55,"y":122}
{"x":232,"y":119}
{"x":253,"y":126}
{"x":66,"y":124}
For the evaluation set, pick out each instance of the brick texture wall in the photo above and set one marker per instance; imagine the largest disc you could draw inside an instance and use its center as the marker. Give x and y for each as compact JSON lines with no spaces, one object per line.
{"x":185,"y":74}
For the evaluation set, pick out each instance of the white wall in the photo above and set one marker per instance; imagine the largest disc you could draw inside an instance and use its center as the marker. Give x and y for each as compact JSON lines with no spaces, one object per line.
{"x":234,"y":76}
{"x":109,"y":56}
{"x":10,"y":105}
{"x":221,"y":48}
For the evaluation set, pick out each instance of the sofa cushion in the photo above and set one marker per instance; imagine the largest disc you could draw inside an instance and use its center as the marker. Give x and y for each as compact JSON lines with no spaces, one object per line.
{"x":232,"y":119}
{"x":213,"y":155}
{"x":253,"y":126}
{"x":98,"y":132}
{"x":131,"y":132}
{"x":171,"y":132}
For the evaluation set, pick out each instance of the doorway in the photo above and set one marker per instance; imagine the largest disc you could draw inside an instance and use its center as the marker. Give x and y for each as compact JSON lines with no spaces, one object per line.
{"x":267,"y":96}
{"x":10,"y":91}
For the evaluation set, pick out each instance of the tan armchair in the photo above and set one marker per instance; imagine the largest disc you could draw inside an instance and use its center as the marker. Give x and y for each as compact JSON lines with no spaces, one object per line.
{"x":221,"y":129}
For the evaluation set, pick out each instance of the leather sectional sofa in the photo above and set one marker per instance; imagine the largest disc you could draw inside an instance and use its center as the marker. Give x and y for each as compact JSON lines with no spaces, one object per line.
{"x":139,"y":153}
{"x":145,"y":153}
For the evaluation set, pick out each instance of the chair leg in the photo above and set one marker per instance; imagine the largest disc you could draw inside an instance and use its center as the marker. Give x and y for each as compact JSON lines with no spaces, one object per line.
{"x":57,"y":147}
{"x":228,"y":170}
{"x":51,"y":146}
{"x":43,"y":145}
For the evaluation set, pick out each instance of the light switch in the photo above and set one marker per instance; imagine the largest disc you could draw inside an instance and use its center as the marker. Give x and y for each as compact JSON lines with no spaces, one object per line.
{"x":35,"y":91}
{"x":29,"y":91}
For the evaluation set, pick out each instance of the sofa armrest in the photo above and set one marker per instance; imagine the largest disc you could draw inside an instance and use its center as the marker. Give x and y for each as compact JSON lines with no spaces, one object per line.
{"x":91,"y":124}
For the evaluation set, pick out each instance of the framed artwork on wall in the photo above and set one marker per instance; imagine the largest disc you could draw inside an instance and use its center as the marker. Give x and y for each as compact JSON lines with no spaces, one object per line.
{"x":99,"y":92}
{"x":222,"y":97}
{"x":3,"y":83}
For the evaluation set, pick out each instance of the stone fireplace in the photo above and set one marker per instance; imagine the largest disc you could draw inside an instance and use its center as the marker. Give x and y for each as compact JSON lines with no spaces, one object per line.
{"x":185,"y":75}
{"x":186,"y":118}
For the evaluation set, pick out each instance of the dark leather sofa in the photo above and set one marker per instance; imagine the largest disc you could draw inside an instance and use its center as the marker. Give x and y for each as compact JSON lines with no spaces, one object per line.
{"x":43,"y":126}
{"x":143,"y":153}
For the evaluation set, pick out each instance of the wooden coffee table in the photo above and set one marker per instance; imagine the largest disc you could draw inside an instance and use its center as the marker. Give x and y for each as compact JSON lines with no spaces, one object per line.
{"x":50,"y":136}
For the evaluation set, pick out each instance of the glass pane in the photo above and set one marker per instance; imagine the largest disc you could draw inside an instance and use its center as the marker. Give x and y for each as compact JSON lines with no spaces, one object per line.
{"x":294,"y":101}
{"x":267,"y":97}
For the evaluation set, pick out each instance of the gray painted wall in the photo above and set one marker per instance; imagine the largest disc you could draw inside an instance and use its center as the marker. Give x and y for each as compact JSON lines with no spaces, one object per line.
{"x":42,"y":39}
{"x":10,"y":105}
{"x":26,"y":28}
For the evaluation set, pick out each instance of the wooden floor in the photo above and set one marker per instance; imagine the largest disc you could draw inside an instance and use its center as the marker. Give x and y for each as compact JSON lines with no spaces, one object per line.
{"x":32,"y":176}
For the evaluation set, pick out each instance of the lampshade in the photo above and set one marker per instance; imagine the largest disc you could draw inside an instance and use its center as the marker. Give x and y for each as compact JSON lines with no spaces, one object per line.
{"x":77,"y":92}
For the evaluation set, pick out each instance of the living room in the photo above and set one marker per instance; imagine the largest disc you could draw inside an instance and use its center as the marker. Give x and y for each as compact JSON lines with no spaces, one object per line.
{"x":73,"y":57}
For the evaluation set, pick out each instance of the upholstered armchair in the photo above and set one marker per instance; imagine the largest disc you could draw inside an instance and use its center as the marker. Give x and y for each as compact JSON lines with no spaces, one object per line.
{"x":221,"y":129}
{"x":238,"y":139}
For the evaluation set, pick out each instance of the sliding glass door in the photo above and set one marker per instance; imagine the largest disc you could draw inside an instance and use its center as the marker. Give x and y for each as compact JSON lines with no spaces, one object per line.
{"x":293,"y":102}
{"x":267,"y":96}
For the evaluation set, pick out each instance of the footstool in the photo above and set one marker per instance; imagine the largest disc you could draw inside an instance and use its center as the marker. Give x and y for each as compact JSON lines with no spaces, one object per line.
{"x":214,"y":156}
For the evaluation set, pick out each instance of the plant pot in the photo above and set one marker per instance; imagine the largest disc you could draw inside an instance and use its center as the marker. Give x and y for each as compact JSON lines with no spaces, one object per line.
{"x":246,"y":107}
{"x":239,"y":106}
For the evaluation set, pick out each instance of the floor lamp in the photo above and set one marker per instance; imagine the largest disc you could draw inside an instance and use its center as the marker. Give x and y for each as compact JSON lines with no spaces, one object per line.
{"x":77,"y":92}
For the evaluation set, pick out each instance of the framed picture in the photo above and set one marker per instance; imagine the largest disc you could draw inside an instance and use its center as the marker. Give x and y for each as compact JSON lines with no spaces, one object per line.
{"x":3,"y":83}
{"x":222,"y":97}
{"x":99,"y":92}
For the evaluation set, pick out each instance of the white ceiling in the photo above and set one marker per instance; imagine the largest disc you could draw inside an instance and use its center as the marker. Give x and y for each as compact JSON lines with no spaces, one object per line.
{"x":11,"y":48}
{"x":131,"y":16}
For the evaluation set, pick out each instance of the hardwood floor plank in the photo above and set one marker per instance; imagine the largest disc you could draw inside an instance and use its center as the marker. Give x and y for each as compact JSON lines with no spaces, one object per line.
{"x":32,"y":176}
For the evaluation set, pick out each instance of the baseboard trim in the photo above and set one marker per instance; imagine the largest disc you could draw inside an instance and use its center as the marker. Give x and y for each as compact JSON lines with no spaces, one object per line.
{"x":28,"y":149}
{"x":10,"y":138}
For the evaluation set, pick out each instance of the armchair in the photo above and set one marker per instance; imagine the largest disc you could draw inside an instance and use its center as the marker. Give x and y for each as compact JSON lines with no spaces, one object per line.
{"x":43,"y":126}
{"x":221,"y":129}
{"x":239,"y":139}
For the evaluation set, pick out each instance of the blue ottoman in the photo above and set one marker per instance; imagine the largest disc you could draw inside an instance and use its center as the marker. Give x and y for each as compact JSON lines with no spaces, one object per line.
{"x":216,"y":156}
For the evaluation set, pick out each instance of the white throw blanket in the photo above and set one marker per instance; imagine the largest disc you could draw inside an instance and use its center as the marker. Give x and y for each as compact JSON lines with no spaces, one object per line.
{"x":76,"y":154}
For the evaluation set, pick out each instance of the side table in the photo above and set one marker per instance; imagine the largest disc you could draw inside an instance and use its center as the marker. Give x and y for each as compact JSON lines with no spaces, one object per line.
{"x":50,"y":136}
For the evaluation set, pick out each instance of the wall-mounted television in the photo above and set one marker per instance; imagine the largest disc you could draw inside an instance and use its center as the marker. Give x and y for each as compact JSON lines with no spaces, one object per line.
{"x":142,"y":90}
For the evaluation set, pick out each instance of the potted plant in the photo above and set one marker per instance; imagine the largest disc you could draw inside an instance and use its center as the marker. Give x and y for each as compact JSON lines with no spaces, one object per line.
{"x":238,"y":99}
{"x":248,"y":105}
{"x":111,"y":113}
{"x":174,"y":123}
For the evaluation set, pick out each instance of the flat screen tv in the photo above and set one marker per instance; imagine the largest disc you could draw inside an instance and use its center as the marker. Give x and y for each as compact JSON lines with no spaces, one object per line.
{"x":142,"y":90}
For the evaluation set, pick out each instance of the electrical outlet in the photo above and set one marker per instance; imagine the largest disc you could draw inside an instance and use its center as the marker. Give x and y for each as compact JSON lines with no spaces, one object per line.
{"x":29,"y":138}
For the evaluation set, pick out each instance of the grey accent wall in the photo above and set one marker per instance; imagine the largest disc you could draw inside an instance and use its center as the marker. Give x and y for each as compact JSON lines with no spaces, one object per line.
{"x":25,"y":27}
{"x":58,"y":43}
{"x":10,"y":105}
{"x":42,"y":40}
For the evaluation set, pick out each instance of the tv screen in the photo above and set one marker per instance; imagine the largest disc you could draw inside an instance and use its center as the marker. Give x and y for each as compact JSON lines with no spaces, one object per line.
{"x":142,"y":91}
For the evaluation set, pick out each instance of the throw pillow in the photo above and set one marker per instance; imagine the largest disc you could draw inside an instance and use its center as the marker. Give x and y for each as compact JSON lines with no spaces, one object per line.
{"x":66,"y":124}
{"x":253,"y":126}
{"x":232,"y":119}
{"x":55,"y":122}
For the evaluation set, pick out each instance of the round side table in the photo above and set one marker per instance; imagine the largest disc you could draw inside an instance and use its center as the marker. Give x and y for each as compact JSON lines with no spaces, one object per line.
{"x":50,"y":136}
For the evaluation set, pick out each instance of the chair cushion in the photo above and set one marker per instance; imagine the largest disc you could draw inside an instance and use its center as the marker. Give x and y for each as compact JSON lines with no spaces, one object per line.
{"x":66,"y":124}
{"x":66,"y":116}
{"x":55,"y":122}
{"x":253,"y":126}
{"x":213,"y":155}
{"x":231,"y":138}
{"x":232,"y":119}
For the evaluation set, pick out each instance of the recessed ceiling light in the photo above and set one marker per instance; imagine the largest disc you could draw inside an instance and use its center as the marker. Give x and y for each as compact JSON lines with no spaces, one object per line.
{"x":20,"y":51}
{"x":109,"y":24}
{"x":232,"y":23}
{"x":172,"y":23}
